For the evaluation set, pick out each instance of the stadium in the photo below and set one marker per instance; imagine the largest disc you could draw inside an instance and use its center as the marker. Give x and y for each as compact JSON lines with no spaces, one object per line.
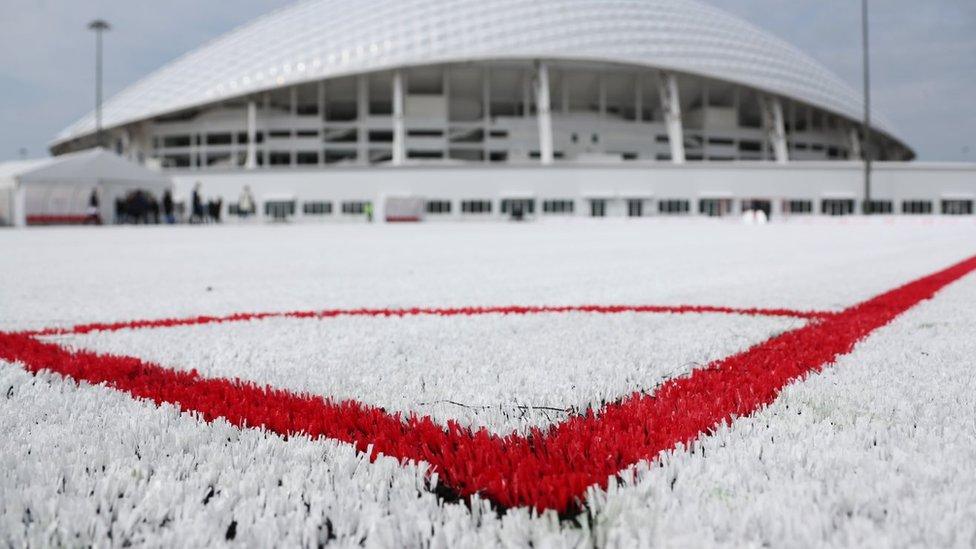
{"x":681,"y":376}
{"x":439,"y":110}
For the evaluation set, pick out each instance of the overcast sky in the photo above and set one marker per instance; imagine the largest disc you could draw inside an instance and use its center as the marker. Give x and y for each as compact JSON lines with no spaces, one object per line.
{"x":923,"y":58}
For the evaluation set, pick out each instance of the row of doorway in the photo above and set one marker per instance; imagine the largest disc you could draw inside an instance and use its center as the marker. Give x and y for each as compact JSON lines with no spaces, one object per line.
{"x":712,"y":207}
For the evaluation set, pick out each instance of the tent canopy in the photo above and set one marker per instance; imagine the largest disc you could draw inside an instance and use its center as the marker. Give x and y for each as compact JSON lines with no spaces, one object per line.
{"x":59,"y":189}
{"x":91,"y":167}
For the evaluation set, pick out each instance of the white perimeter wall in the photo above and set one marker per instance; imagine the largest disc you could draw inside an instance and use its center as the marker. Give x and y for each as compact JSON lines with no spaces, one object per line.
{"x":652,"y":181}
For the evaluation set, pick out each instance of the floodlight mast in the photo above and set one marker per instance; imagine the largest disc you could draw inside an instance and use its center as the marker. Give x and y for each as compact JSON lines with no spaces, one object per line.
{"x":99,"y":26}
{"x":866,"y":149}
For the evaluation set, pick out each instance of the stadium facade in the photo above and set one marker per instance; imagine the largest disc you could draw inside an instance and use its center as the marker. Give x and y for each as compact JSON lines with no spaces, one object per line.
{"x":481,"y":108}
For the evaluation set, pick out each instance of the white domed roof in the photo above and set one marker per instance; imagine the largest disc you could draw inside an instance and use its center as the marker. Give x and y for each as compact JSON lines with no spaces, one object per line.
{"x":318,"y":39}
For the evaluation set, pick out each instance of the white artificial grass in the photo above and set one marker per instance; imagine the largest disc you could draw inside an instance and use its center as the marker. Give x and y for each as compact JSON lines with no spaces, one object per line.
{"x":504,"y":372}
{"x":876,"y":451}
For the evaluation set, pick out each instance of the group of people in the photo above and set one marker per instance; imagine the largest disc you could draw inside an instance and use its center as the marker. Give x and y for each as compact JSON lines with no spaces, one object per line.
{"x":142,"y":207}
{"x":210,"y":211}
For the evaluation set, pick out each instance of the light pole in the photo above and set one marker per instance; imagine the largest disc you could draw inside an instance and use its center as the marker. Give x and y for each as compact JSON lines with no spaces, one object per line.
{"x":99,"y":26}
{"x":866,"y":149}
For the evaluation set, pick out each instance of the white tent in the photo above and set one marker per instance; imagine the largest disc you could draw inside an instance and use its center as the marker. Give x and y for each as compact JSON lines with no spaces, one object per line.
{"x":58,"y":189}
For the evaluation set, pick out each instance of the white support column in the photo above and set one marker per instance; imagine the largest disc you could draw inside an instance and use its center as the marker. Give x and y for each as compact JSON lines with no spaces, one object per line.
{"x":293,"y":99}
{"x":543,"y":113}
{"x":776,"y":128}
{"x":19,"y":205}
{"x":321,"y":103}
{"x":671,"y":105}
{"x":251,"y":160}
{"x":602,"y":95}
{"x":855,"y":144}
{"x":126,"y":138}
{"x":564,"y":93}
{"x":638,"y":98}
{"x":399,"y":131}
{"x":486,"y":110}
{"x":362,"y":117}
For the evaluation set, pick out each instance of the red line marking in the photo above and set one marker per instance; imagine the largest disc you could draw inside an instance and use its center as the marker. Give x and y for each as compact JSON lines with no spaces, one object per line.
{"x":427,"y":311}
{"x":548,"y":469}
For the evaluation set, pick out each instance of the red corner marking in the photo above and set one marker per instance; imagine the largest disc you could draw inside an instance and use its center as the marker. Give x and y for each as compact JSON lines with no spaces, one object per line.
{"x":547,"y":469}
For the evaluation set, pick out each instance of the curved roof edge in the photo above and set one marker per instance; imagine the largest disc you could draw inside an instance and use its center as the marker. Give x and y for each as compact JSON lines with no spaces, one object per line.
{"x":787,"y":71}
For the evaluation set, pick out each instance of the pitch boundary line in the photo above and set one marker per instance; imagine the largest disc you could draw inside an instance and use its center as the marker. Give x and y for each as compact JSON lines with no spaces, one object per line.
{"x":549,"y":468}
{"x":428,"y":311}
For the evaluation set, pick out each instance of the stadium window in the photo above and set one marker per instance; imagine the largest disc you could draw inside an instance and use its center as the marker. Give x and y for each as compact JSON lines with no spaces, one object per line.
{"x":307,"y":133}
{"x":497,"y":156}
{"x":837,"y":206}
{"x":662,"y":139}
{"x":380,"y":136}
{"x":916,"y":207}
{"x":715,"y":207}
{"x":438,"y":207}
{"x":673,"y":206}
{"x":317,"y":208}
{"x":427,"y":155}
{"x":957,"y":207}
{"x":720,"y":141}
{"x":279,"y":134}
{"x":341,"y":111}
{"x":798,"y":207}
{"x":176,"y":141}
{"x":176,"y":161}
{"x":278,"y":158}
{"x":222,"y":159}
{"x":880,"y":206}
{"x":635,"y":207}
{"x":242,"y":138}
{"x":598,"y":207}
{"x":378,"y":156}
{"x":750,"y":146}
{"x":307,"y":157}
{"x":466,"y":155}
{"x":341,"y":135}
{"x":476,"y":206}
{"x":498,"y":134}
{"x":334,"y":157}
{"x":557,"y":206}
{"x":354,"y":207}
{"x":218,"y":139}
{"x":424,"y":133}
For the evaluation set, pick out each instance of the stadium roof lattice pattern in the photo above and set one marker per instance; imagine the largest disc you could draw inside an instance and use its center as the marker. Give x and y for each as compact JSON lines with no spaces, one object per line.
{"x":317,"y":39}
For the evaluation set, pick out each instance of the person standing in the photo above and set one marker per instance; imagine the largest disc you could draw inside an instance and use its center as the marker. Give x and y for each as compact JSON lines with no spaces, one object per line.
{"x":196,"y":213}
{"x":168,"y":207}
{"x":93,"y":216}
{"x":245,"y":203}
